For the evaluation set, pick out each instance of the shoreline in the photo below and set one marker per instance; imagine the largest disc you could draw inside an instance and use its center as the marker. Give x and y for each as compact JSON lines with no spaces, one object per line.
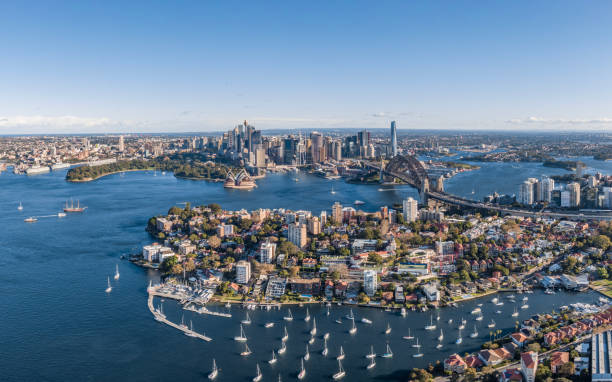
{"x":85,"y":180}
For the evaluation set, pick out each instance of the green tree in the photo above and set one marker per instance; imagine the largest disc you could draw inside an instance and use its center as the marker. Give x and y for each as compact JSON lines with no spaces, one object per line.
{"x":168,"y":263}
{"x":214,"y":241}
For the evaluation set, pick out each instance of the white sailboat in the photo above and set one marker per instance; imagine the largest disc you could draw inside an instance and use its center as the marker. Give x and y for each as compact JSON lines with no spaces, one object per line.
{"x":491,"y":324}
{"x":462,"y":325}
{"x":311,"y":340}
{"x":326,"y":336}
{"x":246,"y":350}
{"x":285,"y":335}
{"x":214,"y":372}
{"x":388,"y":330}
{"x":273,"y":360}
{"x":242,"y":337}
{"x":302,"y":372}
{"x":332,"y":191}
{"x":371,"y":364}
{"x":109,"y":288}
{"x":438,"y":317}
{"x":474,"y":334}
{"x":353,"y":329}
{"x":282,"y":349}
{"x":116,"y":277}
{"x":341,"y":373}
{"x":289,"y":316}
{"x":247,"y":320}
{"x":403,"y":312}
{"x":350,"y":316}
{"x":313,"y":331}
{"x":269,"y":325}
{"x":416,"y":344}
{"x":20,"y":207}
{"x":388,"y":353}
{"x":371,"y":354}
{"x":516,"y":313}
{"x":341,"y":355}
{"x":328,"y":310}
{"x":258,"y":377}
{"x":307,"y":318}
{"x":307,"y":355}
{"x":409,"y":336}
{"x":524,"y":306}
{"x":439,"y":345}
{"x":441,"y":336}
{"x":417,"y":355}
{"x":325,"y":350}
{"x":431,"y":326}
{"x":459,"y":339}
{"x":479,"y":318}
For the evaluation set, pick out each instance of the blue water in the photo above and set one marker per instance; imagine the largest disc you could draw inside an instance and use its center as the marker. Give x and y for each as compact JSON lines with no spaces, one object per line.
{"x":58,"y":324}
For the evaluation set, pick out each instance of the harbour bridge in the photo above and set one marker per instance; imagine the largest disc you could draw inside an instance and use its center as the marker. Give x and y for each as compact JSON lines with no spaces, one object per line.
{"x":410,"y":170}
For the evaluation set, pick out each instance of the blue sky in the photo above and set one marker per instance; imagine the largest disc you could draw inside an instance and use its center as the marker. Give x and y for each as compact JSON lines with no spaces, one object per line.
{"x":150,"y":66}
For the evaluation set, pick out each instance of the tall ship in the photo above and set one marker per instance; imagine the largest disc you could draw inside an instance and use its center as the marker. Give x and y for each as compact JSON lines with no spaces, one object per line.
{"x":73,"y":208}
{"x":240,"y":181}
{"x":37,"y":170}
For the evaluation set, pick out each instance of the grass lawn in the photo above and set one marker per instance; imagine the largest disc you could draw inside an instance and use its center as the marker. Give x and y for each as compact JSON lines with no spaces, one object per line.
{"x":603,"y":286}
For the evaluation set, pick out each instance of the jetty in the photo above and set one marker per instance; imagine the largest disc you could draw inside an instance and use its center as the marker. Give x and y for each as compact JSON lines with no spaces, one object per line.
{"x":161,"y":318}
{"x":204,"y":310}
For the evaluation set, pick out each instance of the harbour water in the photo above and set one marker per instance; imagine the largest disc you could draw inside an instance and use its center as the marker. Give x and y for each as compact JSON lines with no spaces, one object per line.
{"x":58,"y":323}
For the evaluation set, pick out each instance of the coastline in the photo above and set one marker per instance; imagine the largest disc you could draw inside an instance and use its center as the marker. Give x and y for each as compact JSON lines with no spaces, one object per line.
{"x":107,"y":174}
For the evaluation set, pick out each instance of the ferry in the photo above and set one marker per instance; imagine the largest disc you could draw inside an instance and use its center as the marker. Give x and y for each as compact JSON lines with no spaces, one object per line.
{"x":72,"y":208}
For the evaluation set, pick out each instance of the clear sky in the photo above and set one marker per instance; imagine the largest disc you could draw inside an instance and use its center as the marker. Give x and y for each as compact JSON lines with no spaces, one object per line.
{"x":150,"y":66}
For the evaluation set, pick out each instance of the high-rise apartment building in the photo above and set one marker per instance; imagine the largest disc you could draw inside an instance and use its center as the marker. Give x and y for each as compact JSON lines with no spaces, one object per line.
{"x":411,"y":212}
{"x":243,"y":272}
{"x":574,"y":190}
{"x":337,"y":213}
{"x":267,"y":252}
{"x":547,"y":185}
{"x":297,"y":234}
{"x":370,"y":282}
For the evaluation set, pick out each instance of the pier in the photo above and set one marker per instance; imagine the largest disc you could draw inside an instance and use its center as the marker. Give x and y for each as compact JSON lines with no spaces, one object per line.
{"x":204,"y":310}
{"x":159,"y":317}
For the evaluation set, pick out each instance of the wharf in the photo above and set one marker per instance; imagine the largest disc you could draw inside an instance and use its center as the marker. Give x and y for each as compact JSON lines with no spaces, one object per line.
{"x":160,"y":318}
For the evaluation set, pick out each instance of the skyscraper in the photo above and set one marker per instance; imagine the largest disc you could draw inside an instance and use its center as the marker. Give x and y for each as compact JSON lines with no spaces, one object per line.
{"x":410,"y":210}
{"x":121,"y":144}
{"x":370,"y":282}
{"x":337,"y":213}
{"x":393,"y":139}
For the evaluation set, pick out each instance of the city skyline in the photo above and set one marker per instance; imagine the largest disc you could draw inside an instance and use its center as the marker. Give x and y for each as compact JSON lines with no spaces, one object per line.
{"x":109,"y":68}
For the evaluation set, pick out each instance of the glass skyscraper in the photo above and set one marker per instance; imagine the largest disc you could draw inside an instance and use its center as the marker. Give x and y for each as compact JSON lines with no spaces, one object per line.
{"x":393,"y":139}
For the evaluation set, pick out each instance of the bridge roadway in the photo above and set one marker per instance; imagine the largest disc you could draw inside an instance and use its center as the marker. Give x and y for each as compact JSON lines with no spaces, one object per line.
{"x":569,"y":215}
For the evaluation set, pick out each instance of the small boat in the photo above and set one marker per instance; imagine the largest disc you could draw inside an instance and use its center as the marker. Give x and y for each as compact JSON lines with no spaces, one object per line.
{"x":388,"y":353}
{"x":403,"y":312}
{"x":476,"y":311}
{"x":495,"y":300}
{"x":182,"y":325}
{"x":353,"y":329}
{"x":450,"y":320}
{"x":228,"y":305}
{"x":307,"y":318}
{"x":498,"y":311}
{"x":289,"y":316}
{"x":247,"y":320}
{"x":525,"y":298}
{"x":341,"y":355}
{"x":282,"y":349}
{"x":258,"y":377}
{"x":332,"y":191}
{"x":366,"y":321}
{"x":439,"y":346}
{"x":479,"y":304}
{"x":338,"y":321}
{"x":350,"y":316}
{"x":371,"y":364}
{"x":61,"y":215}
{"x":524,"y":306}
{"x":459,"y":339}
{"x":461,"y":327}
{"x":326,"y":336}
{"x":431,"y":326}
{"x":116,"y":276}
{"x":328,"y":310}
{"x":417,"y":355}
{"x":285,"y":335}
{"x":30,"y":220}
{"x":20,"y":207}
{"x":242,"y":337}
{"x":409,"y":336}
{"x":549,"y":291}
{"x":416,"y":345}
{"x":246,"y":350}
{"x":109,"y":288}
{"x":214,"y":372}
{"x":341,"y":373}
{"x":438,"y":317}
{"x":516,"y":313}
{"x":325,"y":350}
{"x":269,"y":325}
{"x":371,"y":354}
{"x":313,"y":331}
{"x":302,"y":372}
{"x":479,"y":318}
{"x":463,"y":321}
{"x":501,"y":303}
{"x":511,"y":297}
{"x":307,"y":355}
{"x":358,"y":202}
{"x":441,"y":336}
{"x":388,"y":330}
{"x":311,"y":340}
{"x":273,"y":360}
{"x":474,"y":334}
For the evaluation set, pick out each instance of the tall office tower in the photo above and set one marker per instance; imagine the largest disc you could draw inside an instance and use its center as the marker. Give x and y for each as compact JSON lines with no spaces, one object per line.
{"x":364,"y":138}
{"x":337,"y":213}
{"x":297,"y":234}
{"x":336,"y":153}
{"x":526,"y":193}
{"x":410,"y":210}
{"x":121,"y":144}
{"x":546,"y":188}
{"x":316,"y":148}
{"x":393,"y":139}
{"x":574,"y":190}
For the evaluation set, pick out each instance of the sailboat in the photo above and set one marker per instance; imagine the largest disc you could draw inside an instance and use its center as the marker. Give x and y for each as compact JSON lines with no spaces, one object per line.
{"x":325,"y":350}
{"x":213,"y":374}
{"x":341,"y":355}
{"x":307,"y":355}
{"x":302,"y":372}
{"x":332,"y":191}
{"x":109,"y":288}
{"x":326,"y":336}
{"x":247,"y":320}
{"x":459,"y":339}
{"x":350,"y":316}
{"x":273,"y":359}
{"x":403,"y":312}
{"x":116,"y":277}
{"x":438,"y":317}
{"x":311,"y":340}
{"x":258,"y":377}
{"x":353,"y":329}
{"x":285,"y":335}
{"x":289,"y":316}
{"x":328,"y":310}
{"x":313,"y":331}
{"x":388,"y":330}
{"x":474,"y":334}
{"x":462,"y":325}
{"x":515,"y":314}
{"x":441,"y":336}
{"x":388,"y":353}
{"x":524,"y":306}
{"x":371,"y":364}
{"x":371,"y":354}
{"x":439,"y":345}
{"x":431,"y":326}
{"x":269,"y":325}
{"x":479,"y":318}
{"x":416,"y":345}
{"x":190,"y":332}
{"x":246,"y":351}
{"x":307,"y":318}
{"x":341,"y":373}
{"x":409,"y":336}
{"x":418,"y":355}
{"x":242,"y":337}
{"x":282,"y":349}
{"x":20,"y":208}
{"x":182,"y":325}
{"x":491,"y":324}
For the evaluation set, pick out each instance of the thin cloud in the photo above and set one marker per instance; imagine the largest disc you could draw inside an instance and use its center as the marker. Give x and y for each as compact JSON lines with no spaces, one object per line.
{"x":61,"y":121}
{"x":550,"y":121}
